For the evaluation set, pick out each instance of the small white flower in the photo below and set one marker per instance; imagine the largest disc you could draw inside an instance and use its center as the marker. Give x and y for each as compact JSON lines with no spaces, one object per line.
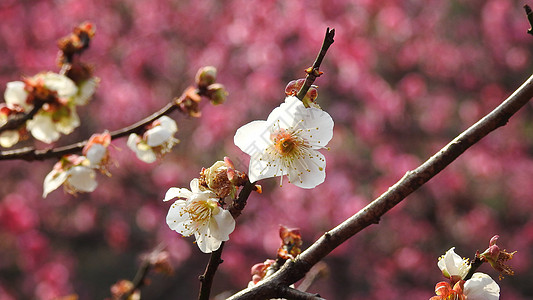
{"x":287,"y":143}
{"x":198,"y":212}
{"x":157,"y":140}
{"x":452,"y":264}
{"x":481,"y":287}
{"x":71,"y":171}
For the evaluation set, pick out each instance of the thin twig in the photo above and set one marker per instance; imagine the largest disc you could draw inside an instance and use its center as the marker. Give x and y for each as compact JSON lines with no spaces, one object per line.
{"x":313,"y":72}
{"x":293,"y":271}
{"x":17,"y":121}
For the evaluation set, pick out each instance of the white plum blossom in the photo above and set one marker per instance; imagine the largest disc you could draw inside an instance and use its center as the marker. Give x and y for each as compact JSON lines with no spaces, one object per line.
{"x":452,"y":264}
{"x":157,"y":140}
{"x":287,"y":143}
{"x":74,"y":173}
{"x":198,"y":212}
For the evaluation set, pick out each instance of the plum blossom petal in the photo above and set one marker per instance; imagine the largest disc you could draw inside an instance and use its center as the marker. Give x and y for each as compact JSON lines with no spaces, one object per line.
{"x":452,"y":264}
{"x":16,"y":95}
{"x":481,"y":287}
{"x":198,"y":212}
{"x":287,"y":143}
{"x":9,"y":138}
{"x":63,"y":85}
{"x":82,"y":179}
{"x":43,"y":128}
{"x":53,"y":180}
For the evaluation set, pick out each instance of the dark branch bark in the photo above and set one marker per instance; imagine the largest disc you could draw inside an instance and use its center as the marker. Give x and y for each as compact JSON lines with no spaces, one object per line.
{"x":206,"y":280}
{"x":411,"y":181}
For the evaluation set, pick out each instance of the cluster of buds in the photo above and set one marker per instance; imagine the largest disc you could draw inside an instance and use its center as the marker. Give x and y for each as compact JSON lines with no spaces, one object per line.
{"x":205,"y":86}
{"x":223,"y":179}
{"x":260,"y":271}
{"x":206,"y":82}
{"x":124,"y":289}
{"x":309,"y":100}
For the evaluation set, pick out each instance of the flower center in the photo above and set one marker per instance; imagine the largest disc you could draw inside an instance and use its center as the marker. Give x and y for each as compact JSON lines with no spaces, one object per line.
{"x":284,"y":141}
{"x":201,"y":211}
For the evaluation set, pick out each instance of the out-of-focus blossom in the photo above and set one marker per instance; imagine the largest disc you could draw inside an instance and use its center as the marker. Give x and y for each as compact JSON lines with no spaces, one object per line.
{"x":96,"y":149}
{"x":156,"y":141}
{"x":453,"y":266}
{"x":74,"y":173}
{"x":291,"y":241}
{"x":198,"y":212}
{"x":287,"y":143}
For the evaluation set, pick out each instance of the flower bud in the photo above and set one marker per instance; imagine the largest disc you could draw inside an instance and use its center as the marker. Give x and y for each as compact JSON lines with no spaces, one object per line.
{"x":217,"y":93}
{"x":206,"y":76}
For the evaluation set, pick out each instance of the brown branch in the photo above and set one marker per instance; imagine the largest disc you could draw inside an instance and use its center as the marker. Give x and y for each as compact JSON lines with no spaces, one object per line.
{"x":183,"y":103}
{"x":206,"y":280}
{"x":313,"y":72}
{"x":18,"y":120}
{"x":293,"y":271}
{"x":529,"y":15}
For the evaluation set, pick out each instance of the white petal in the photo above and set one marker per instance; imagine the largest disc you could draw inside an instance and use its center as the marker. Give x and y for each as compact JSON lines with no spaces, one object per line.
{"x":287,"y":113}
{"x":143,"y":151}
{"x":453,"y":264}
{"x":253,"y":137}
{"x":173,"y":193}
{"x":261,"y":167}
{"x":207,"y":243}
{"x":9,"y":138}
{"x":43,"y":128}
{"x":317,"y":127}
{"x":86,"y":90}
{"x":168,"y":123}
{"x":67,"y":124}
{"x":178,"y":219}
{"x":481,"y":287}
{"x":16,"y":95}
{"x":63,"y":85}
{"x":311,"y":170}
{"x":221,"y":225}
{"x":52,"y":181}
{"x":96,"y":153}
{"x":82,"y":178}
{"x":157,"y":136}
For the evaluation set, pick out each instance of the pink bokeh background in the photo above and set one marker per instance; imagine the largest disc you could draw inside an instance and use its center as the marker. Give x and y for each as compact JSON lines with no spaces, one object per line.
{"x":401,"y":80}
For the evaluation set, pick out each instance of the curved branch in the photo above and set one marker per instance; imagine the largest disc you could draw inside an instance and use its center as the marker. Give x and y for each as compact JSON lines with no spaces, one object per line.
{"x":293,"y":271}
{"x":182,"y":103}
